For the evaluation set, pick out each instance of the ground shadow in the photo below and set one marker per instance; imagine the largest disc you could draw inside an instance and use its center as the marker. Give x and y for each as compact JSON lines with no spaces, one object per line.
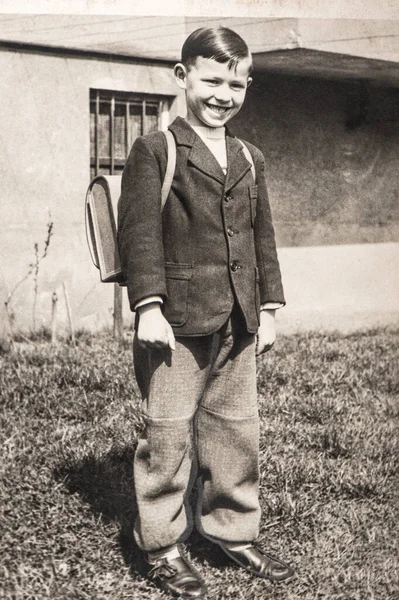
{"x":203,"y":550}
{"x":107,"y":485}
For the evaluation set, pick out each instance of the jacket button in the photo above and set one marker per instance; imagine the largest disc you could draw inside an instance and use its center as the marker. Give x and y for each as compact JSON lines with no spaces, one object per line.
{"x":230,"y":231}
{"x":235,"y":265}
{"x":227,"y":198}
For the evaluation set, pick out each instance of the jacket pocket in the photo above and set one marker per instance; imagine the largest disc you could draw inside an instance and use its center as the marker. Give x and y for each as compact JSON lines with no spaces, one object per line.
{"x":253,"y":200}
{"x":178,"y":277}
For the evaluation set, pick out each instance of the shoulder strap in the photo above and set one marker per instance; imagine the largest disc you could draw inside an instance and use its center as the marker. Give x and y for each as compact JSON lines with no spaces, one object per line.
{"x":170,"y":167}
{"x":249,"y":158}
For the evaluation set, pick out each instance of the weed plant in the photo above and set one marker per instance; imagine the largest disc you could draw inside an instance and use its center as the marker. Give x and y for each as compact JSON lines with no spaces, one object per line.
{"x":70,"y":420}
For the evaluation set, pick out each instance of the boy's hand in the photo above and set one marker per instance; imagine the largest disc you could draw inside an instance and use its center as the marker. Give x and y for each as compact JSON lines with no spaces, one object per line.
{"x":267,"y":332}
{"x":154,"y":330}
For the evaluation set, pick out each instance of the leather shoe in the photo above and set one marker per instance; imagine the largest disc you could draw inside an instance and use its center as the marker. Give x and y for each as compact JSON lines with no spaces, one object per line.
{"x":176,"y":577}
{"x":259,"y":563}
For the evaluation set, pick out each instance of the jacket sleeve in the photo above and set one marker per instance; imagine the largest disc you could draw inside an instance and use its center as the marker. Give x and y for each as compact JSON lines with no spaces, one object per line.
{"x":271,"y":288}
{"x":140,"y":225}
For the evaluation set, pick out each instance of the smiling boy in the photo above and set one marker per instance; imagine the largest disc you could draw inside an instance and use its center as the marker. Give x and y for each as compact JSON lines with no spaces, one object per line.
{"x":204,"y":280}
{"x":214,"y":91}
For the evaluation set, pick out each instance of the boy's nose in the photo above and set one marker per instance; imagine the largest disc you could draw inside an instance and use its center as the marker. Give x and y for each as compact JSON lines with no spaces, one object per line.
{"x":223,"y":95}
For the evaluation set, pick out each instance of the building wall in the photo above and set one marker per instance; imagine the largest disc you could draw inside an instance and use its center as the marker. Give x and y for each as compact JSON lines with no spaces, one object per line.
{"x":344,"y":287}
{"x":163,"y":36}
{"x":332,"y":154}
{"x":45,"y":170}
{"x":332,"y":157}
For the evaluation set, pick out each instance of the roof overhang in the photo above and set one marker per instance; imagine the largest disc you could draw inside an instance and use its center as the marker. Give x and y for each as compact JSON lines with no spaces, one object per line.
{"x":61,"y":51}
{"x":300,"y":62}
{"x":327,"y":65}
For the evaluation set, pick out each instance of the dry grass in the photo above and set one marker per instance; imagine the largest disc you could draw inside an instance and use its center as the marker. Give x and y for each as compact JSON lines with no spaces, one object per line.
{"x":69,"y":423}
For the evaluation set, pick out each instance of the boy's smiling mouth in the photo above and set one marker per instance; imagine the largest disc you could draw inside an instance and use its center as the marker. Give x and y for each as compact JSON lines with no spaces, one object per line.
{"x":220,"y":110}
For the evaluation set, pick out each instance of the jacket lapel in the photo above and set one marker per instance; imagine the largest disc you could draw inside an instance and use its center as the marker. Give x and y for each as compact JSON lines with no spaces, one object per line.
{"x":199,"y":156}
{"x":202,"y":158}
{"x":237,"y":164}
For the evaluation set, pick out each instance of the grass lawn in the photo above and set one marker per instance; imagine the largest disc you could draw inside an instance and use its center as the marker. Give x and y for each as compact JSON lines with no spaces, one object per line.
{"x":329,"y":451}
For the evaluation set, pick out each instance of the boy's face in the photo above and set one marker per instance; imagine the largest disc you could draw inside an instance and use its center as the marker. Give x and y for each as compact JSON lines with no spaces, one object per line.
{"x":214,"y":93}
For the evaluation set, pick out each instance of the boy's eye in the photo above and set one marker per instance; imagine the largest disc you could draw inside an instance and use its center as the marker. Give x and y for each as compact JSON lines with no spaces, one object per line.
{"x":237,"y":86}
{"x":211,"y":81}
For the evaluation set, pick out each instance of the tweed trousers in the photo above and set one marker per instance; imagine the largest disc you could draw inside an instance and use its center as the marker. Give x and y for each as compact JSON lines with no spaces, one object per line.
{"x":201,"y":425}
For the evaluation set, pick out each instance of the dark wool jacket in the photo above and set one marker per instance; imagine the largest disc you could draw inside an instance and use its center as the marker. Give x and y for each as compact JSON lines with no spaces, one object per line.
{"x":214,"y":241}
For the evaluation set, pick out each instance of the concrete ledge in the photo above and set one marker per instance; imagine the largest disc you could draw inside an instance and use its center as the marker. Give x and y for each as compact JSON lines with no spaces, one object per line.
{"x":346,"y":287}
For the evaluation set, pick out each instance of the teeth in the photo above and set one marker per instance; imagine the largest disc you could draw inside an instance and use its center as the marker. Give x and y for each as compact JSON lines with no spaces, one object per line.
{"x":219,"y":109}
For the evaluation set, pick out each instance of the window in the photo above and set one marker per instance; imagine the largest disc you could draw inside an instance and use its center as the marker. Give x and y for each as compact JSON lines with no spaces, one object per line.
{"x":116,"y":120}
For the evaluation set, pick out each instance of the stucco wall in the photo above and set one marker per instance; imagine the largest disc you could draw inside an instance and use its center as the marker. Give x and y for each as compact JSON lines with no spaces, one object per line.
{"x":44,"y":167}
{"x":373,"y":36}
{"x":332,"y":154}
{"x":332,"y":158}
{"x":343,"y":287}
{"x":317,"y":199}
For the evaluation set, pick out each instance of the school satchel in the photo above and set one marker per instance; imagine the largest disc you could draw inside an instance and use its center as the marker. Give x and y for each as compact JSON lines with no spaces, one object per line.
{"x":101,"y":208}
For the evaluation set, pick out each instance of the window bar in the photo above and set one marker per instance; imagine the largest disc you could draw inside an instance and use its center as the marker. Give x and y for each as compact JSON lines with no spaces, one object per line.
{"x":96,"y":132}
{"x":111,"y":137}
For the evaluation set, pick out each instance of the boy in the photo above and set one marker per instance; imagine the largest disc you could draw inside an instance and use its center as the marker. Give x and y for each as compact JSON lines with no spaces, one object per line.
{"x":204,"y":280}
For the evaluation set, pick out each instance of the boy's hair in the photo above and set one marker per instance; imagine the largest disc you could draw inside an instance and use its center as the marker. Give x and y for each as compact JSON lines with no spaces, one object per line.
{"x":220,"y":43}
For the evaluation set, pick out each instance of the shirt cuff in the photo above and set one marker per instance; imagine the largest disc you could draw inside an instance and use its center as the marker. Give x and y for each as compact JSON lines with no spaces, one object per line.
{"x":271,"y":305}
{"x":148,"y":300}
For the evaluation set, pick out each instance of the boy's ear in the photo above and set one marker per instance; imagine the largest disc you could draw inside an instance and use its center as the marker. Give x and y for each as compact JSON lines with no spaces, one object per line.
{"x":249,"y":81}
{"x":180,"y":72}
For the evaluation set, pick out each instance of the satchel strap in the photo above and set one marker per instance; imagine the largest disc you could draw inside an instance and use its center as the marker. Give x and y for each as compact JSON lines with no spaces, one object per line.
{"x":249,"y":158}
{"x":170,"y":167}
{"x":112,"y":183}
{"x":171,"y":164}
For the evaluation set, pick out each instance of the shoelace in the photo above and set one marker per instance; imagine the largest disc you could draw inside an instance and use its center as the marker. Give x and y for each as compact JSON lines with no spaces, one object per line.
{"x":162,"y":569}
